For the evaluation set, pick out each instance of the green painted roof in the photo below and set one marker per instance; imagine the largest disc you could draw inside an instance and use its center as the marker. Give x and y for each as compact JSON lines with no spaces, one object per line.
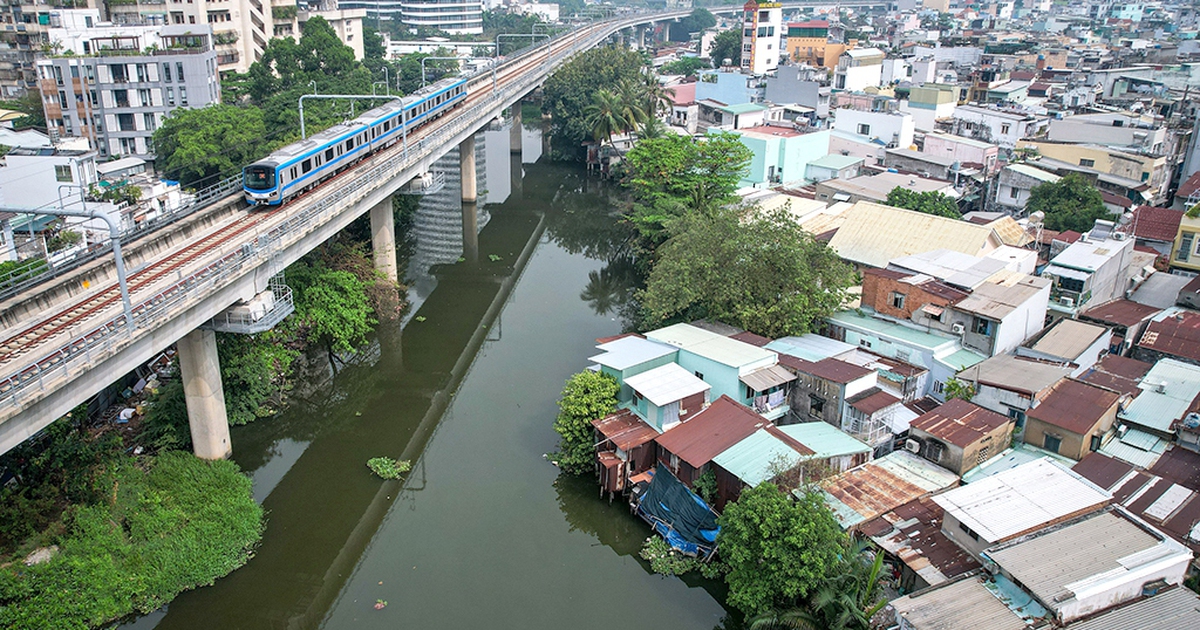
{"x":750,"y":460}
{"x":743,"y":108}
{"x":908,"y":335}
{"x":826,"y":439}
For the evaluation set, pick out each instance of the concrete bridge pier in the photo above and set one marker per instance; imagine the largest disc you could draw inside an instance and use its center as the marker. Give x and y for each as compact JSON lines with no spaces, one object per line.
{"x":383,"y":239}
{"x":514,"y":132}
{"x":200,"y":369}
{"x":641,"y":36}
{"x":516,"y":174}
{"x":466,"y":166}
{"x":470,"y":231}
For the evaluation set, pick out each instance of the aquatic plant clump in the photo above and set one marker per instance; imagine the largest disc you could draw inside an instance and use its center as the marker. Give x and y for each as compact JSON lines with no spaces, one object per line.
{"x":388,"y":468}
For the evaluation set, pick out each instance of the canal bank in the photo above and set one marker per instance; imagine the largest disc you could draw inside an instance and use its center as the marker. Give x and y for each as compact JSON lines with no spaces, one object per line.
{"x":483,"y":533}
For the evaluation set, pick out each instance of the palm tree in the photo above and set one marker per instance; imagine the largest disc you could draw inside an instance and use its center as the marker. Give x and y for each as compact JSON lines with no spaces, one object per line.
{"x":606,"y":116}
{"x":655,"y":99}
{"x":654,"y":128}
{"x":631,"y":104}
{"x":845,"y":602}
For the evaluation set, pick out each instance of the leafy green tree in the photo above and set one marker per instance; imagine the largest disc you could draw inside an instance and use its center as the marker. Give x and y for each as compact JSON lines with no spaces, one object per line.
{"x":569,"y":91}
{"x":254,"y":370}
{"x":686,"y":66}
{"x":673,"y":175}
{"x":727,"y":45}
{"x":332,"y":306}
{"x":778,"y":550}
{"x":956,"y":388}
{"x":587,"y":396}
{"x":373,"y":44}
{"x":928,"y":202}
{"x":760,"y":272}
{"x":846,"y":600}
{"x":1071,"y":203}
{"x":200,"y":146}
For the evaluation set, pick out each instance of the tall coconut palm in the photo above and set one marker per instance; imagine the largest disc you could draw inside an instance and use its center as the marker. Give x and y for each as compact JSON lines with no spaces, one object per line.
{"x":654,"y":128}
{"x":606,"y":116}
{"x":845,"y":602}
{"x":655,"y":98}
{"x":632,"y":103}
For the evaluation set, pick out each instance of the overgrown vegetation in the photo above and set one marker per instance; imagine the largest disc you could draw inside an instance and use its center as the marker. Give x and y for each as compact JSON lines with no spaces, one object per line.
{"x":586,"y":397}
{"x":727,"y":45}
{"x":1071,"y":203}
{"x":569,"y":92}
{"x":149,"y":530}
{"x":928,"y":202}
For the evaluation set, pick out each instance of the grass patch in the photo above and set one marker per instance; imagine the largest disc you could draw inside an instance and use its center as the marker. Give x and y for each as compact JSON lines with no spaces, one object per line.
{"x":179,"y":524}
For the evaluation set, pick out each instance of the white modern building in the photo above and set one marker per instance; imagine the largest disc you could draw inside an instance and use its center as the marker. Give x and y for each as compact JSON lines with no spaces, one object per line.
{"x":762,"y":33}
{"x":997,"y":126}
{"x":119,"y":93}
{"x":858,"y":69}
{"x":457,"y":17}
{"x":889,"y":129}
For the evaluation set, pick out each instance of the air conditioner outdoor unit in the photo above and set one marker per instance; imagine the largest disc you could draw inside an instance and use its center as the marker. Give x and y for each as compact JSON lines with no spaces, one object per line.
{"x":912,"y":446}
{"x":957,"y":329}
{"x":1119,"y":236}
{"x":1067,"y":301}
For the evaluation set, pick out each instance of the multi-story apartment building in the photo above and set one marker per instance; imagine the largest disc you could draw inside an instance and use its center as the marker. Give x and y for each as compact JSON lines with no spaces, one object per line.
{"x":24,"y":25}
{"x":457,"y":17}
{"x":808,"y":42}
{"x":762,"y":32}
{"x":119,"y":93}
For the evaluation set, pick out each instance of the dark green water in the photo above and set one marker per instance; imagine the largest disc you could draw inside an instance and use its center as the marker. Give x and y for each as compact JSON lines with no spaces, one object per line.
{"x":484,"y":533}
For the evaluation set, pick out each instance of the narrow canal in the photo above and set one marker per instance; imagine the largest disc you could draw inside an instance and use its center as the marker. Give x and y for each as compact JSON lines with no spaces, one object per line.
{"x":484,"y":533}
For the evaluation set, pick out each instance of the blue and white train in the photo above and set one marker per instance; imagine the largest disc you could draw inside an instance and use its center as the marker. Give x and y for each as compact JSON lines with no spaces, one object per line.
{"x":297,"y":167}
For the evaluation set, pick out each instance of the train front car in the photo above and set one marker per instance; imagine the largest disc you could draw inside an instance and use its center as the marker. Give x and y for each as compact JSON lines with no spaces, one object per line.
{"x":260,"y":183}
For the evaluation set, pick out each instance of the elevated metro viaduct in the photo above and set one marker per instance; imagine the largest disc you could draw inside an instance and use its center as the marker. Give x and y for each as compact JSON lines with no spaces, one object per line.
{"x":68,"y":339}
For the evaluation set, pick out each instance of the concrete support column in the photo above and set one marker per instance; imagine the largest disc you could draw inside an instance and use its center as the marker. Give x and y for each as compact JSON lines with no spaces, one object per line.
{"x":200,"y":369}
{"x":383,"y":239}
{"x":641,"y":37}
{"x":466,"y":166}
{"x":515,"y":176}
{"x":514,"y":132}
{"x":470,"y":231}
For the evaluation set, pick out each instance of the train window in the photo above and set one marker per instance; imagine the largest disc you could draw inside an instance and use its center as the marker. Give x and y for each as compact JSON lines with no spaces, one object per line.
{"x":350,"y":144}
{"x":293,"y":173}
{"x":306,"y":166}
{"x":328,"y":154}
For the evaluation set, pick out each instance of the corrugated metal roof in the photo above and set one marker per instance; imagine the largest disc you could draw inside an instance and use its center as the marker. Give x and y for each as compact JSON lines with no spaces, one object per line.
{"x":837,"y":371}
{"x":892,"y":331}
{"x":825,"y":440}
{"x":1075,"y":406}
{"x":1021,"y":499}
{"x":1176,"y":609}
{"x":913,"y":533}
{"x":711,"y":346}
{"x":996,"y":301}
{"x":872,"y":400}
{"x":1090,"y":255}
{"x":874,"y":234}
{"x":625,"y":429}
{"x":627,"y":352}
{"x":762,"y":379}
{"x":952,"y":267}
{"x":961,"y":359}
{"x":810,"y":347}
{"x":753,"y":459}
{"x":965,"y":603}
{"x":711,"y":431}
{"x":1136,"y":447}
{"x":866,"y":491}
{"x":1181,"y":466}
{"x":666,"y":384}
{"x":1120,"y":374}
{"x":1034,"y":172}
{"x":1012,"y":457}
{"x":1121,"y":312}
{"x":960,"y":422}
{"x":1180,"y":384}
{"x":1176,"y":332}
{"x":1056,"y":563}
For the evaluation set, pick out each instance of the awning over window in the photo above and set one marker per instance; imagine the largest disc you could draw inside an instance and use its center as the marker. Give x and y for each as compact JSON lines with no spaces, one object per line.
{"x":763,"y":379}
{"x":934,"y":311}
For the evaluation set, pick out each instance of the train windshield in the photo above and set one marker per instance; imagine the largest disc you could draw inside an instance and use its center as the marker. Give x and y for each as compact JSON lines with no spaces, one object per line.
{"x":259,"y":177}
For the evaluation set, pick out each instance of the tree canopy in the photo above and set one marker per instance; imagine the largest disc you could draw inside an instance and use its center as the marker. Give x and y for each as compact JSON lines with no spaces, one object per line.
{"x":198,"y":147}
{"x":587,"y":396}
{"x":686,"y":66}
{"x":569,"y":92}
{"x":778,"y":550}
{"x":1071,"y":203}
{"x":757,"y":271}
{"x":699,"y":20}
{"x":673,"y":175}
{"x":727,"y":45}
{"x":928,"y":202}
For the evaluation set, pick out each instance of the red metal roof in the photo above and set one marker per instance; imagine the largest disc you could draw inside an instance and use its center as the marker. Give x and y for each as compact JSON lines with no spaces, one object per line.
{"x":757,"y":341}
{"x":872,"y":400}
{"x":1074,"y":406}
{"x":1177,"y":335}
{"x":959,"y":422}
{"x":1179,"y":465}
{"x":1138,"y":491}
{"x":603,"y":340}
{"x":913,"y":532}
{"x":1102,"y":470}
{"x":1156,"y":224}
{"x":1068,"y":236}
{"x":1117,"y":200}
{"x":837,"y":371}
{"x":1120,"y":374}
{"x":810,"y":24}
{"x":625,"y":429}
{"x":712,"y":431}
{"x":1121,"y":312}
{"x":1189,"y":186}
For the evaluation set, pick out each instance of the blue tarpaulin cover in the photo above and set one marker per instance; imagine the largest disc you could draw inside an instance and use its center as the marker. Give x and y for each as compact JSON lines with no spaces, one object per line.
{"x":678,"y":514}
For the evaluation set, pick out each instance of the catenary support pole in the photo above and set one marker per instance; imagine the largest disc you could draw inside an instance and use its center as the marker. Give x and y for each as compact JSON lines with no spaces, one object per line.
{"x":200,"y":368}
